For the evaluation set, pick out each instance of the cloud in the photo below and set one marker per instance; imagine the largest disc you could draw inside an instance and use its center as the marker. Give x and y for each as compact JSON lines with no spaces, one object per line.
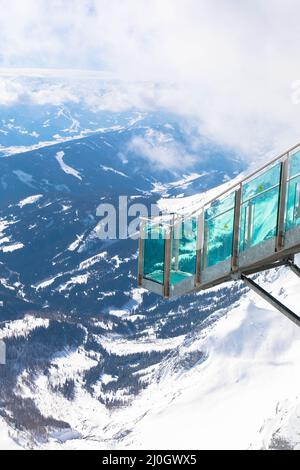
{"x":41,"y":93}
{"x":10,"y":93}
{"x":227,"y":67}
{"x":53,"y":95}
{"x":161,"y":151}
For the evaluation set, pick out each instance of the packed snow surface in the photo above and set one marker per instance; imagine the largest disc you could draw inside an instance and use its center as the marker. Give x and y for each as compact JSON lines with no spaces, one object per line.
{"x":242,"y":392}
{"x":66,"y":168}
{"x":250,"y":377}
{"x":6,"y":440}
{"x":30,"y":200}
{"x":11,"y":248}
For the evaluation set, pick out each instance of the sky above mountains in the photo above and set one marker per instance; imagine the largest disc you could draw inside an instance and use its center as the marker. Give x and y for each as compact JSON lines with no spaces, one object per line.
{"x":230,"y":68}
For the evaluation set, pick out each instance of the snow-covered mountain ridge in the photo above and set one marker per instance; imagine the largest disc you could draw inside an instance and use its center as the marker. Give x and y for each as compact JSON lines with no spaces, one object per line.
{"x":236,"y":371}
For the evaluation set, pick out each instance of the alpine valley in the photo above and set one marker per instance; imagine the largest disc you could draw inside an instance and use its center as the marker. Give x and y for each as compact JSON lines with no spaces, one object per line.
{"x":93,"y":361}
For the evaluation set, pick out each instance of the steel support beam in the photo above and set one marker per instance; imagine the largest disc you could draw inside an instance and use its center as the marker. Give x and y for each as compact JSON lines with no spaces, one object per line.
{"x":269,"y":298}
{"x":265,"y":267}
{"x":294,"y":267}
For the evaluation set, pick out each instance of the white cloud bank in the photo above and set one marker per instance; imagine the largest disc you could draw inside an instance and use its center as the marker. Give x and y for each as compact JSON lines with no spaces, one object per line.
{"x":232,"y":64}
{"x":161,"y":150}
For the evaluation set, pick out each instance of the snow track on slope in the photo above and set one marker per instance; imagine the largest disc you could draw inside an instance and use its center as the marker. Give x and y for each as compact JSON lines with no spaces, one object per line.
{"x":66,"y":168}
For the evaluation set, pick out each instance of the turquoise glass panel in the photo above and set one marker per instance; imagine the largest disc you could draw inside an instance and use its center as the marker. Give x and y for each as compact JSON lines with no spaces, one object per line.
{"x":154,"y":253}
{"x":259,"y":210}
{"x":184,"y":246}
{"x":293,"y":203}
{"x":294,"y":164}
{"x":220,"y":206}
{"x":258,"y":221}
{"x":262,"y":183}
{"x":292,"y":218}
{"x":218,"y":232}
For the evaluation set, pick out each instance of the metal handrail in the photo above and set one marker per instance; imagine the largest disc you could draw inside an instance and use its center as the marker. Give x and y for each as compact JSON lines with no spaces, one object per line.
{"x":230,"y":188}
{"x":239,"y":183}
{"x":243,"y":180}
{"x":254,"y":173}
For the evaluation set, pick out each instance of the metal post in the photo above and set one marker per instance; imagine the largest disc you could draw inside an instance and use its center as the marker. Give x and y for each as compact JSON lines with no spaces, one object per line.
{"x":298,"y":193}
{"x":177,"y":236}
{"x":141,"y":255}
{"x":249,"y":216}
{"x":281,"y":207}
{"x":205,"y":245}
{"x":167,"y":261}
{"x":269,"y":298}
{"x":200,"y":239}
{"x":236,"y":229}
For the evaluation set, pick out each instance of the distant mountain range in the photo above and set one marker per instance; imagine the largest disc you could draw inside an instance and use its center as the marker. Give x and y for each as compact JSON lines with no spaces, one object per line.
{"x":86,"y":348}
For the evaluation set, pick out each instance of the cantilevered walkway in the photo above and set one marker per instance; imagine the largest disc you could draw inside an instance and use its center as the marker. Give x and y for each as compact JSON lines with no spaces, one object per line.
{"x":251,"y":227}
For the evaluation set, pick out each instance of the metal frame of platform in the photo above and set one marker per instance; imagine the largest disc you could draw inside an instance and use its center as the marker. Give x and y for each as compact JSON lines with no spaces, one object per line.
{"x":271,"y":253}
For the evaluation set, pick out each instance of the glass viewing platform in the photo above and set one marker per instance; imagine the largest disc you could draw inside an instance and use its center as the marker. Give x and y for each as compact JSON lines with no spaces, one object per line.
{"x":254,"y":225}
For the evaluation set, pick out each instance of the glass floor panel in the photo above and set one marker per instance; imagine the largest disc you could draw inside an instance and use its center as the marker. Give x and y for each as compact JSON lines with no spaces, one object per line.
{"x":175,"y":276}
{"x":156,"y":276}
{"x":178,"y":276}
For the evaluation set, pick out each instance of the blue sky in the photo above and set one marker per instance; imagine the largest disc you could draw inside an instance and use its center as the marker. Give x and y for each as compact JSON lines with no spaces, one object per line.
{"x":234,"y":63}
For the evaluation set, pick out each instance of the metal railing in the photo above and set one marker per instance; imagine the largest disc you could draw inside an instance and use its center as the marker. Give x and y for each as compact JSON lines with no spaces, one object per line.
{"x":274,"y":244}
{"x":171,"y":220}
{"x":238,"y":184}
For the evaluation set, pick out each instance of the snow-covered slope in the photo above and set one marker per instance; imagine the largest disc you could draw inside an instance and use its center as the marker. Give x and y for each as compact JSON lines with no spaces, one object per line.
{"x":245,"y":392}
{"x":231,"y":383}
{"x":6,"y":440}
